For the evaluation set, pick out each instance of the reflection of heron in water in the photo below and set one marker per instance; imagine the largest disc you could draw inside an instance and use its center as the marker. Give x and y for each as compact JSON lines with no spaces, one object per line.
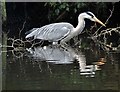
{"x":59,"y":55}
{"x":63,"y":31}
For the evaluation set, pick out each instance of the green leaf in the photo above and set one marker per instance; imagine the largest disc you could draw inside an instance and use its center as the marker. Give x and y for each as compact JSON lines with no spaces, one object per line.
{"x":67,"y":9}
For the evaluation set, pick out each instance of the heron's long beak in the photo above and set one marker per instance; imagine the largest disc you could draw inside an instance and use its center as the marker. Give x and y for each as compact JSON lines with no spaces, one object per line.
{"x":97,"y":20}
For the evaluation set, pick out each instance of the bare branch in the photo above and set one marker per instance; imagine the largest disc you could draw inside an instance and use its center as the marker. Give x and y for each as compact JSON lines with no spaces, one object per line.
{"x":22,"y":28}
{"x":111,"y":12}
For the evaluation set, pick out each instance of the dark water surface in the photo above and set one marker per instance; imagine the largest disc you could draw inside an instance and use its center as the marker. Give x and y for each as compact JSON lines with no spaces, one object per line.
{"x":54,"y":68}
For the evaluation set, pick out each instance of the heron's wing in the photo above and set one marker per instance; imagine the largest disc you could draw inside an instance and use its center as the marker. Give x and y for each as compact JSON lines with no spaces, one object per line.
{"x":53,"y":32}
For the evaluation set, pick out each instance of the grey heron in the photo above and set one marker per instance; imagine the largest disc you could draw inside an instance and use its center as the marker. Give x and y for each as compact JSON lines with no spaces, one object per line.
{"x":62,"y":31}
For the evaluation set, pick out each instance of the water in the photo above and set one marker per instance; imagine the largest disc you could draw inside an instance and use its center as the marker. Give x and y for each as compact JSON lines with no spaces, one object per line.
{"x":84,"y":67}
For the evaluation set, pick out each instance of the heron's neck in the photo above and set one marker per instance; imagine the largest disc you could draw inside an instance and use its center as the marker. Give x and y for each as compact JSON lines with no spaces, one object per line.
{"x":79,"y":28}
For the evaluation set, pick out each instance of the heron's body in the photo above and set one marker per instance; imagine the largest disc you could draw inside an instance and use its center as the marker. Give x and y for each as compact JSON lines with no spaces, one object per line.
{"x":61,"y":31}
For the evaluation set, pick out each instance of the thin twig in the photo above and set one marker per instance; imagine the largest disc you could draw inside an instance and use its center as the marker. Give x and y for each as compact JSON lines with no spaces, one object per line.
{"x":111,"y":12}
{"x":22,"y":28}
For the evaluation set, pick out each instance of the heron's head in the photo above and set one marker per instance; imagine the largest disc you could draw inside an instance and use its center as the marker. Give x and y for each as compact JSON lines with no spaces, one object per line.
{"x":91,"y":16}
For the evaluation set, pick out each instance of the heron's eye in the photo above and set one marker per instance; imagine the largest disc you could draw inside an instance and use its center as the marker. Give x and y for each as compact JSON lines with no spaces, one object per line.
{"x":90,"y":14}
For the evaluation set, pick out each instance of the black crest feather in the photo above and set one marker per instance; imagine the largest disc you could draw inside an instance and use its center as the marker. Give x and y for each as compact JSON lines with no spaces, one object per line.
{"x":90,"y":14}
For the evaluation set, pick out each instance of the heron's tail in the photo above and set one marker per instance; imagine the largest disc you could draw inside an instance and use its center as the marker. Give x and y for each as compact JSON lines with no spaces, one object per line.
{"x":30,"y":33}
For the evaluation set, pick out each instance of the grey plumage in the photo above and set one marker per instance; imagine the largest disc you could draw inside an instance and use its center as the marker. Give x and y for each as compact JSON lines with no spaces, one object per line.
{"x":52,"y":32}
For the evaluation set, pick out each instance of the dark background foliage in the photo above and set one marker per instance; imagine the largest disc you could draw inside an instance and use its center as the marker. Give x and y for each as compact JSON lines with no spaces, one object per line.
{"x":42,"y":13}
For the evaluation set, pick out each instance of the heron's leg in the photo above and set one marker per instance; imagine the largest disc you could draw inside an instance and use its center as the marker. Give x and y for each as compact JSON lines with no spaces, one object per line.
{"x":54,"y":43}
{"x":60,"y":44}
